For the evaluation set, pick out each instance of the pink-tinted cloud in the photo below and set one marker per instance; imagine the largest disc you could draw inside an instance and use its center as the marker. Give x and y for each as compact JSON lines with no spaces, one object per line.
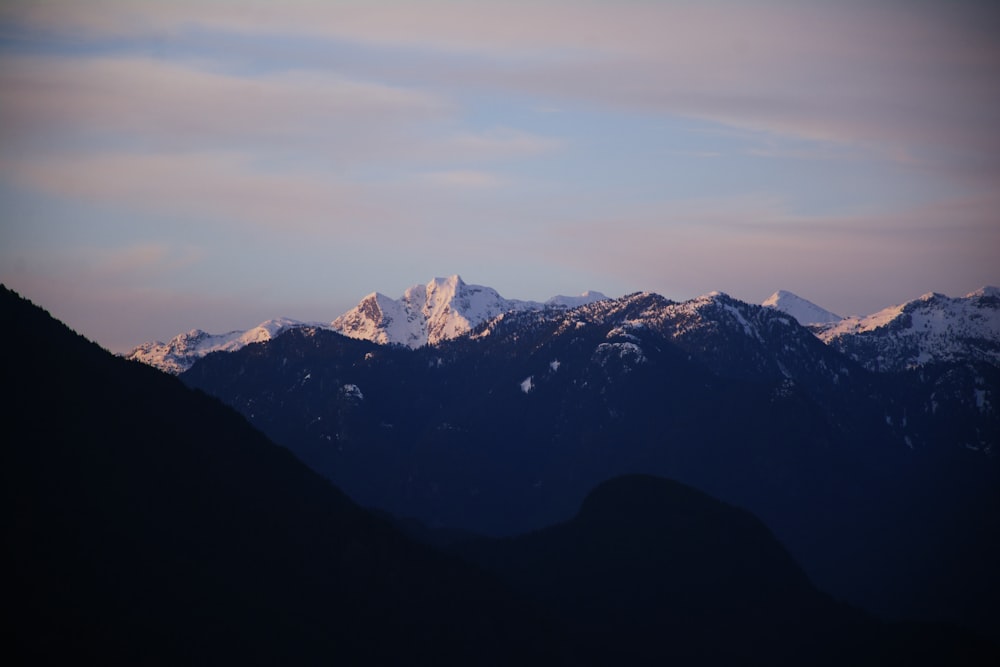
{"x":175,"y":104}
{"x":906,"y":77}
{"x":461,"y":178}
{"x":158,"y":106}
{"x":220,"y":185}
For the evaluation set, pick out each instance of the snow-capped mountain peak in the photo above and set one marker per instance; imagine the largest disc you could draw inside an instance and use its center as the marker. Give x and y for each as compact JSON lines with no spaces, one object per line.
{"x":806,"y":312}
{"x":438,"y":310}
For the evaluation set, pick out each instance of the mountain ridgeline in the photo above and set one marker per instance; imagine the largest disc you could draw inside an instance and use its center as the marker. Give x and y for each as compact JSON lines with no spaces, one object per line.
{"x":931,"y":329}
{"x":884,"y":486}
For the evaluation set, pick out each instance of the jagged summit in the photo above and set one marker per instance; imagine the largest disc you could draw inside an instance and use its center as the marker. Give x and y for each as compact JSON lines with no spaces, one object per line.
{"x":441,"y":309}
{"x":806,"y":312}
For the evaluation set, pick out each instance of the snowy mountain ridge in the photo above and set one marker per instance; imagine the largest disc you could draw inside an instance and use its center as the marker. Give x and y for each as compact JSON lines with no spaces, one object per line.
{"x":932,"y":328}
{"x":181,"y":351}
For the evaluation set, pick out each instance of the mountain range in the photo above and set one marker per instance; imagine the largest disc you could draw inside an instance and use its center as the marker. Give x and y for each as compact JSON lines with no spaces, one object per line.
{"x":929,"y":329}
{"x":146,"y":523}
{"x":884,"y":486}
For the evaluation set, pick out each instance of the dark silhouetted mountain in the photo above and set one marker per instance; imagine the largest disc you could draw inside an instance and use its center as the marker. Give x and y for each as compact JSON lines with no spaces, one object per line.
{"x":146,"y":523}
{"x":654,"y":572}
{"x":884,"y":486}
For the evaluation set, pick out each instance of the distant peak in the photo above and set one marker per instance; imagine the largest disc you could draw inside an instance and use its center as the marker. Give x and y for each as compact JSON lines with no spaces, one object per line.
{"x":779,"y":296}
{"x":804,"y":311}
{"x":563,"y":301}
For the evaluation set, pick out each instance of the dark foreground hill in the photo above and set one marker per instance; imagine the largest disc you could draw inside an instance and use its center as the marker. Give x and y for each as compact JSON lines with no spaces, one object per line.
{"x":651,"y":571}
{"x":145,"y":523}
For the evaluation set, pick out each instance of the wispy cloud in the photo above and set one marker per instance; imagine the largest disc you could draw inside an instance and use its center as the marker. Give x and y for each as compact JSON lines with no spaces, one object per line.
{"x":921,"y":76}
{"x":186,"y":105}
{"x":466,"y":178}
{"x":129,"y":262}
{"x":502,"y":142}
{"x":220,"y":185}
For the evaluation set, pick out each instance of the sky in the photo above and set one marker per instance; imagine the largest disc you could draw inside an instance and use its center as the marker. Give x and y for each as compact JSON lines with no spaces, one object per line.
{"x":208,"y":164}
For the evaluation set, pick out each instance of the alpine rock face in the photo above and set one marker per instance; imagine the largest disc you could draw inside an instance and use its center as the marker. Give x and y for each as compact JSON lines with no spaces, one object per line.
{"x":931,"y":329}
{"x":443,"y":308}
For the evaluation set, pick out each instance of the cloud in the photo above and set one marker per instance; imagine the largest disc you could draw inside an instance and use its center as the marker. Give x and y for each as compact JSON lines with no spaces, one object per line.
{"x":914,"y":82}
{"x":461,"y":179}
{"x":186,"y":105}
{"x":501,"y":142}
{"x":312,"y":119}
{"x":226,"y":185}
